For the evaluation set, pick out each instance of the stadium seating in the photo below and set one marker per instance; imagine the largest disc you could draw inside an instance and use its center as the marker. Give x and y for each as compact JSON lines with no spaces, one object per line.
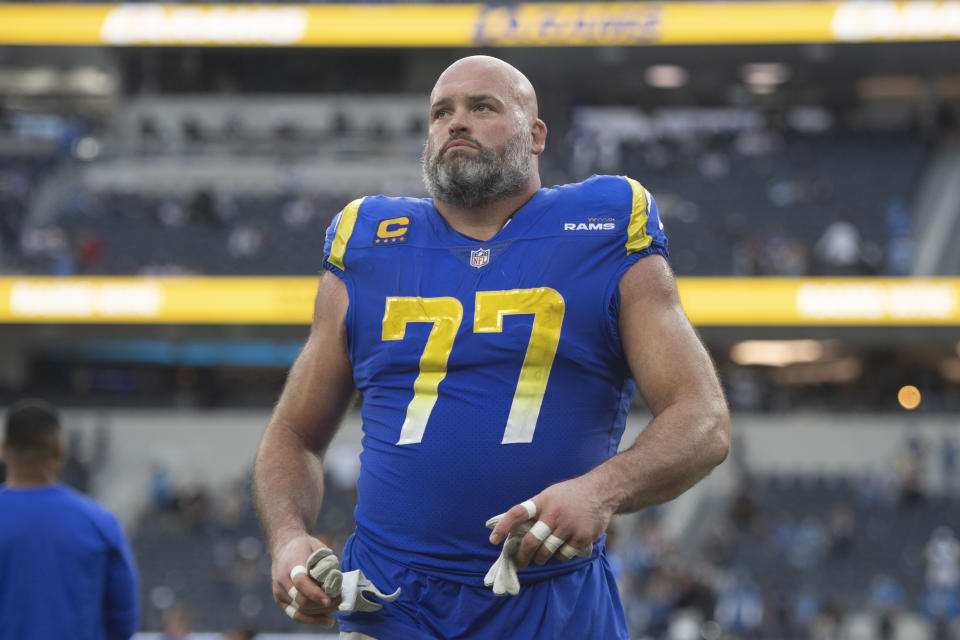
{"x":756,"y":201}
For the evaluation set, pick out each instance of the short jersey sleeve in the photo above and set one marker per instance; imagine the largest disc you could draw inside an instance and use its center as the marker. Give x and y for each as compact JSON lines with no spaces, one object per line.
{"x":644,"y":230}
{"x":338,"y":237}
{"x":644,"y":236}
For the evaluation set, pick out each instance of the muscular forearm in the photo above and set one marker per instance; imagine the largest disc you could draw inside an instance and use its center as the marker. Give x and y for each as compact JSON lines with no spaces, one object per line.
{"x":287,"y":485}
{"x":676,"y":450}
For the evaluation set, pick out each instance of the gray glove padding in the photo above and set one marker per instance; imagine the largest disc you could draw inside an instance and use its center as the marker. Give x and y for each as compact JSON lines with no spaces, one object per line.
{"x":502,"y":575}
{"x":323,"y":568}
{"x":353,"y":588}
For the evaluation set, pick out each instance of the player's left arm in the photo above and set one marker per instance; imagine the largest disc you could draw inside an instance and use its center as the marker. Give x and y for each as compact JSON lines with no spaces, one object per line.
{"x":690,"y":432}
{"x":688,"y":436}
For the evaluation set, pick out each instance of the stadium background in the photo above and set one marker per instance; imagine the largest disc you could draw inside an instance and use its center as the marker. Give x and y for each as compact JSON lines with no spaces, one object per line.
{"x":167,"y":172}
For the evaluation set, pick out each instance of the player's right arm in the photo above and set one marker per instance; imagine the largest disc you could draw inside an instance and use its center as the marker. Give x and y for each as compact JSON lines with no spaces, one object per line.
{"x":288,"y":471}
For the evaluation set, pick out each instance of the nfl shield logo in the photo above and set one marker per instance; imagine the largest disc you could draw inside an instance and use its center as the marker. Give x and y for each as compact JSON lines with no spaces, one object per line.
{"x":479,"y":258}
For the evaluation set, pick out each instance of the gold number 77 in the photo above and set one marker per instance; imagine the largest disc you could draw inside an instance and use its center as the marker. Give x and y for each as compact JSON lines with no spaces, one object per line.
{"x":446,"y":314}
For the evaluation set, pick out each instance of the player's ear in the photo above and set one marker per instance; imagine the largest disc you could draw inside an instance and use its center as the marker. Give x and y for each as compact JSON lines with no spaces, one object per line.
{"x":538,"y":131}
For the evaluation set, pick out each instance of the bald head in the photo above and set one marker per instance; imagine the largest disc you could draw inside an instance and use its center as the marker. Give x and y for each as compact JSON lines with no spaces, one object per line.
{"x":497,"y":76}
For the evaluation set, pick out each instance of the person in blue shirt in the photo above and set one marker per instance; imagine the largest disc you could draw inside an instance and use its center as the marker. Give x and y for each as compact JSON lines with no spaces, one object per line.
{"x":66,"y":568}
{"x":496,"y":332}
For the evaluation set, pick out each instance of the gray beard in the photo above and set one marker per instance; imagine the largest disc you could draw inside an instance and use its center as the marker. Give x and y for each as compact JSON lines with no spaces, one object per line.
{"x":469,"y":181}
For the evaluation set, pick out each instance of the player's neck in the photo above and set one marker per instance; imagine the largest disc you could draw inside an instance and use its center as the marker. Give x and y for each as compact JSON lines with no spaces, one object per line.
{"x":32,"y":476}
{"x":485,"y":222}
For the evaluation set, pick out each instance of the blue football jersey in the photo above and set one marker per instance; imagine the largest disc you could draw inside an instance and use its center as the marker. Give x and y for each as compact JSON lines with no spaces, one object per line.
{"x":489,"y":370}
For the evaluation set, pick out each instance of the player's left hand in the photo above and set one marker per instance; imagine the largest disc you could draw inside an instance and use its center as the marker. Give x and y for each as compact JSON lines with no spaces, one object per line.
{"x":569,"y":517}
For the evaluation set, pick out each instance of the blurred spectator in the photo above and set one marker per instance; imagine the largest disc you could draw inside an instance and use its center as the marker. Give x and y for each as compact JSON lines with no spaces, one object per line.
{"x":828,"y":624}
{"x":739,"y":603}
{"x":878,"y":486}
{"x":842,"y":529}
{"x":805,"y":608}
{"x":838,"y":249}
{"x":943,"y":560}
{"x":808,"y":544}
{"x":170,"y":213}
{"x":941,"y":601}
{"x":245,"y":242}
{"x":885,"y":594}
{"x":151,"y":139}
{"x":948,"y":462}
{"x":900,"y":246}
{"x":744,"y":510}
{"x":695,"y":592}
{"x":650,"y":613}
{"x":234,"y":128}
{"x":910,"y":467}
{"x":90,"y":248}
{"x":192,"y":130}
{"x":162,"y":493}
{"x":177,"y":624}
{"x":298,"y":212}
{"x":204,"y":210}
{"x":49,"y":242}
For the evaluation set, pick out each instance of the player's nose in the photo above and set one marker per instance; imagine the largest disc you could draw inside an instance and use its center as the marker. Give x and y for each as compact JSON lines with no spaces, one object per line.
{"x":458,"y":123}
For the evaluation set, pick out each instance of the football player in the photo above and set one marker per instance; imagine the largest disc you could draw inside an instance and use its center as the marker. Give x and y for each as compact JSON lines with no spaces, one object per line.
{"x":497,"y":332}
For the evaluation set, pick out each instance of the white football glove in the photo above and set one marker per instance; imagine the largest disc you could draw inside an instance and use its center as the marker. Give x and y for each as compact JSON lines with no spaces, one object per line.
{"x":502,"y":575}
{"x":354,"y":588}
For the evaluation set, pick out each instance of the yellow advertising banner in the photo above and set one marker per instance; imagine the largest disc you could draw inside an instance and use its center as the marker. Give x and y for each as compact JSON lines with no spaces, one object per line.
{"x":277,"y":301}
{"x":458,"y":25}
{"x":185,"y":300}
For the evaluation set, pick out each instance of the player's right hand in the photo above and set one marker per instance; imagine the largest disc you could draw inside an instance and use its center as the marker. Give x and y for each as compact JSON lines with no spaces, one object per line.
{"x":570,"y":516}
{"x":309,"y":604}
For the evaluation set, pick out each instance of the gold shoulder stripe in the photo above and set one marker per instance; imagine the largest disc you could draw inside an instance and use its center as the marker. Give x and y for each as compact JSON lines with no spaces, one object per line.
{"x":344,"y":229}
{"x":637,"y":238}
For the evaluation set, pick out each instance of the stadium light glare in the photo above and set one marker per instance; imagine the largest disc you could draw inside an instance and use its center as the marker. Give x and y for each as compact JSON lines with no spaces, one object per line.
{"x":38,"y":81}
{"x":777,"y":353}
{"x":765,"y":73}
{"x":806,"y":373}
{"x":909,"y":397}
{"x":91,"y":81}
{"x":666,"y":76}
